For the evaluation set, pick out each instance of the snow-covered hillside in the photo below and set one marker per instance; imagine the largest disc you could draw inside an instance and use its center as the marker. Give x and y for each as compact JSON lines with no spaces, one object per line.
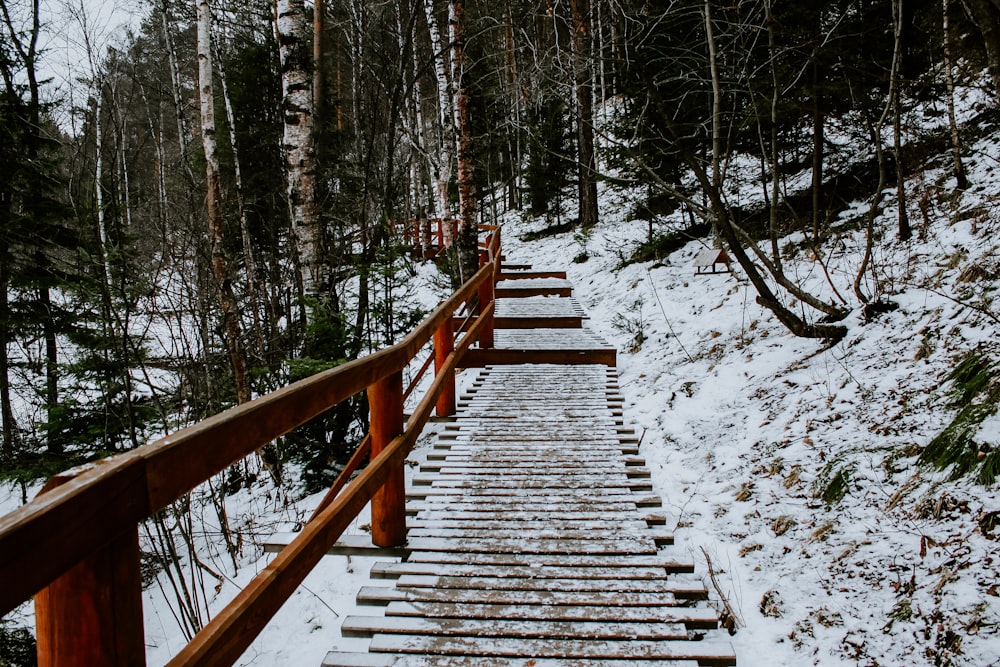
{"x":746,"y":428}
{"x":792,"y":465}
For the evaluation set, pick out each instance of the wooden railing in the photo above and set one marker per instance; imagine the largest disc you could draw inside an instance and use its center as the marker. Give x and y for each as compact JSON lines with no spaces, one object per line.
{"x":76,"y":546}
{"x":427,"y":237}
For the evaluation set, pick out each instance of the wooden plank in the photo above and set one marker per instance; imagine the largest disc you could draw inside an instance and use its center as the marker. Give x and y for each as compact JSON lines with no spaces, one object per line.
{"x":476,"y":358}
{"x":539,"y":322}
{"x":539,"y":560}
{"x":566,"y":481}
{"x":515,"y":493}
{"x":586,"y":479}
{"x":703,"y":618}
{"x":527,"y":275}
{"x":711,"y":652}
{"x":434,"y":507}
{"x":533,"y":455}
{"x":516,"y":291}
{"x":477,"y":469}
{"x":660,"y":539}
{"x":556,"y":523}
{"x":684,"y":590}
{"x":367,"y":626}
{"x":339,"y":659}
{"x":396,"y":570}
{"x":428,"y":514}
{"x":377,"y":596}
{"x":619,"y":545}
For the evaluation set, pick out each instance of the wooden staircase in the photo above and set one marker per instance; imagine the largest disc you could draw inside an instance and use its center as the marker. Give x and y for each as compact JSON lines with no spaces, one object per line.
{"x":533,"y":537}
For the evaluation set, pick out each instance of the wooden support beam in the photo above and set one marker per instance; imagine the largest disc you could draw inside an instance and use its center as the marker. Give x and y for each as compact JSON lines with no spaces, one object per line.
{"x":92,"y":614}
{"x":385,"y":399}
{"x":444,"y":345}
{"x":495,"y":357}
{"x":518,"y":292}
{"x":522,"y":275}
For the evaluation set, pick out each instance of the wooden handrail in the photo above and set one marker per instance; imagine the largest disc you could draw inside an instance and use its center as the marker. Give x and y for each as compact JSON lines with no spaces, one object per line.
{"x":104,"y":501}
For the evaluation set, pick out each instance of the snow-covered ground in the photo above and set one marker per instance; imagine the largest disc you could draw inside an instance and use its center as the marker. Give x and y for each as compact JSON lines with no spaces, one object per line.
{"x":744,"y":426}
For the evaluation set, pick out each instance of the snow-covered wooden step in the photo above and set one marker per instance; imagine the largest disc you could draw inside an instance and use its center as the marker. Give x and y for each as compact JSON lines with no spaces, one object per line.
{"x":367,"y":626}
{"x":528,"y":287}
{"x":344,"y":659}
{"x":700,"y":618}
{"x":711,"y":652}
{"x":396,"y":570}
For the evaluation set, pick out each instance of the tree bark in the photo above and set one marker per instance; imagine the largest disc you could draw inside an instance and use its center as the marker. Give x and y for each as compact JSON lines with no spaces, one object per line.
{"x":583,"y":69}
{"x":958,"y":169}
{"x":443,"y":158}
{"x":902,"y":218}
{"x":9,"y":444}
{"x":220,"y":266}
{"x":298,"y":143}
{"x":468,"y":242}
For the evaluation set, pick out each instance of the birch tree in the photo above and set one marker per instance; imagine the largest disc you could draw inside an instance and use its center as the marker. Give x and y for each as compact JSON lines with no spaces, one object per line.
{"x":298,"y":142}
{"x":213,"y":200}
{"x":442,"y":159}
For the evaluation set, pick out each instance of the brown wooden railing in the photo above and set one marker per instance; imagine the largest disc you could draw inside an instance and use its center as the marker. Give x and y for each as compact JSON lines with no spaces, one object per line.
{"x":427,"y":237}
{"x":76,"y":546}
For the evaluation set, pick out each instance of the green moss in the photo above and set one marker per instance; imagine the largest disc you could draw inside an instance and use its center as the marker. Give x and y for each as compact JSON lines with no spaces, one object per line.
{"x":975,"y":392}
{"x":832,"y":483}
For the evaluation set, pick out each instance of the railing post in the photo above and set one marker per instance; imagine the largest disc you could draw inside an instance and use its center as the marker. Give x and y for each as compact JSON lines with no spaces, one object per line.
{"x":385,"y":400}
{"x":444,"y":344}
{"x":92,"y":615}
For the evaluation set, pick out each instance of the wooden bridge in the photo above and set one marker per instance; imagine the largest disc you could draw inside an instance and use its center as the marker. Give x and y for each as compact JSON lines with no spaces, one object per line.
{"x":529,"y":536}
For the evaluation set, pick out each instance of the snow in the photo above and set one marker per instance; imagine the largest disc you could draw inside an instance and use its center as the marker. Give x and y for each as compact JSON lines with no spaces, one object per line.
{"x":743,"y":427}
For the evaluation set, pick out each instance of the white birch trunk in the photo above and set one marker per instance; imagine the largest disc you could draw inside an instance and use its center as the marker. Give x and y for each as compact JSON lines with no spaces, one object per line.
{"x":298,"y":143}
{"x":441,"y":163}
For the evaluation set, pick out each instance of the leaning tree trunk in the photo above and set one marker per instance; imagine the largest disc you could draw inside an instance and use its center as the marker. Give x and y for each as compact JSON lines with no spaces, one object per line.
{"x":468,"y":241}
{"x":231,"y":330}
{"x":583,"y":70}
{"x":722,"y":216}
{"x":298,"y":142}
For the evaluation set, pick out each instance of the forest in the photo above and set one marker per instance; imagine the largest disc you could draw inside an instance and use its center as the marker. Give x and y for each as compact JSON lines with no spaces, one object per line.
{"x":223,"y":204}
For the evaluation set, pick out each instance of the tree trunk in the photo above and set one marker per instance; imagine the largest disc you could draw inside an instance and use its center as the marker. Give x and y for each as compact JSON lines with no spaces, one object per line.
{"x":9,"y":444}
{"x":958,"y":169}
{"x":722,"y":216}
{"x":253,"y":284}
{"x":819,"y":122}
{"x":903,"y":219}
{"x":986,"y":16}
{"x":298,"y":143}
{"x":176,"y":91}
{"x":443,"y":158}
{"x":231,"y":329}
{"x":468,"y":241}
{"x":583,"y":69}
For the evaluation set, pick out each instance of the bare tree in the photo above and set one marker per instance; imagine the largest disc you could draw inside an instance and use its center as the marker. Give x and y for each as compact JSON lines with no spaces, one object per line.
{"x":583,"y":68}
{"x":961,"y":179}
{"x":468,"y":243}
{"x":232,"y":331}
